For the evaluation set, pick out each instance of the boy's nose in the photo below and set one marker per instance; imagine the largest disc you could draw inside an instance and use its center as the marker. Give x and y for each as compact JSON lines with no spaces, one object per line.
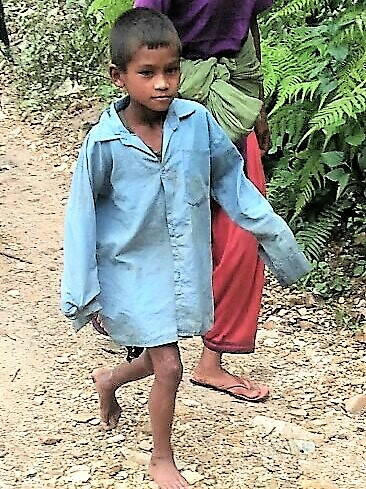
{"x":161,"y":83}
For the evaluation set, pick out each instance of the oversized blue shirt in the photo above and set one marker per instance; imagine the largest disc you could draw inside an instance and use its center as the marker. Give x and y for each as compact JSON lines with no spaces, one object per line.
{"x":138,"y":230}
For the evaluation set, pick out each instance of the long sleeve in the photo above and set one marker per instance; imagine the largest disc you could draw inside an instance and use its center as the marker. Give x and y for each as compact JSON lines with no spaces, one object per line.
{"x":162,"y":6}
{"x":80,"y":285}
{"x":250,"y":210}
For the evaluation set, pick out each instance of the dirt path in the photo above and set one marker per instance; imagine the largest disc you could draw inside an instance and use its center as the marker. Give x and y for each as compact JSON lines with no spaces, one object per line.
{"x":48,"y":408}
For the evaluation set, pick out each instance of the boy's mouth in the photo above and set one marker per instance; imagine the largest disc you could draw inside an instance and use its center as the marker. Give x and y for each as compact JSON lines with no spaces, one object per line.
{"x":162,"y":97}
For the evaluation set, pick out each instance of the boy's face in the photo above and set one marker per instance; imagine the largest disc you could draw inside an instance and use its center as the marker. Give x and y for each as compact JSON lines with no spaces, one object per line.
{"x":151,"y":78}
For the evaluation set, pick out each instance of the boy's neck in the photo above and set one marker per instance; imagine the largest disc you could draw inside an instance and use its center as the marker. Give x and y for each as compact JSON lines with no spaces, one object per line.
{"x":137,"y":114}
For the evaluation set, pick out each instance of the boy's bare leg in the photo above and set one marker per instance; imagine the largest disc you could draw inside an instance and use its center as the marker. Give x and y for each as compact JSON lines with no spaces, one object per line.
{"x":168,"y":374}
{"x":108,"y":380}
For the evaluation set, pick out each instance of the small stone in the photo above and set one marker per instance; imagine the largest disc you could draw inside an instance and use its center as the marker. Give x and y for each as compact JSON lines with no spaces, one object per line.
{"x":192,"y":477}
{"x":51,"y":440}
{"x":76,"y":453}
{"x":122,"y":474}
{"x":358,"y":381}
{"x":298,"y":412}
{"x":62,"y":360}
{"x":145,"y":445}
{"x":140,"y":458}
{"x":360,"y":336}
{"x":94,"y":421}
{"x":270,"y":342}
{"x":39,"y":391}
{"x":13,"y":293}
{"x":310,"y":300}
{"x":78,"y":474}
{"x":190,"y":403}
{"x":38,"y":401}
{"x":303,"y":311}
{"x":31,"y":472}
{"x":82,"y":417}
{"x":270,"y":325}
{"x":305,"y":325}
{"x":289,"y":431}
{"x":355,"y":404}
{"x":303,"y":446}
{"x":116,"y":439}
{"x":3,"y":452}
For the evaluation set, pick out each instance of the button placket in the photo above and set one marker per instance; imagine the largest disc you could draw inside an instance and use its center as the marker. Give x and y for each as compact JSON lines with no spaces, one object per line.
{"x":177,"y":258}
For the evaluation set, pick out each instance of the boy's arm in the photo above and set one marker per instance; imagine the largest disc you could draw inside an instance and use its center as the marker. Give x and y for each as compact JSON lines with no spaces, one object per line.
{"x":250,"y":210}
{"x":162,"y":6}
{"x":80,"y":285}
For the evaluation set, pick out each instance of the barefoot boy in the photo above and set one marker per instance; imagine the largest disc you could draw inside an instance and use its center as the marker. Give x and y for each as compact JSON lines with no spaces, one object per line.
{"x":137,"y":235}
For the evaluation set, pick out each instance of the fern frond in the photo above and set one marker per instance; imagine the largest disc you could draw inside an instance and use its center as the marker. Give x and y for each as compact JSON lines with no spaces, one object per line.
{"x":316,"y":234}
{"x":339,"y":110}
{"x":289,"y":123}
{"x":353,"y":25}
{"x":295,"y":7}
{"x":310,"y":178}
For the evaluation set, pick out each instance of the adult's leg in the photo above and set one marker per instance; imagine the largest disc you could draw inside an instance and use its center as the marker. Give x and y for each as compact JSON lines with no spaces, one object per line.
{"x":168,"y":374}
{"x":237,"y":284}
{"x":108,"y":380}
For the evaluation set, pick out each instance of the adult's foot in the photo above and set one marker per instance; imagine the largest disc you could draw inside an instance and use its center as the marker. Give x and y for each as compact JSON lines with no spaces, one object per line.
{"x":110,"y":410}
{"x":165,"y":473}
{"x":224,"y":381}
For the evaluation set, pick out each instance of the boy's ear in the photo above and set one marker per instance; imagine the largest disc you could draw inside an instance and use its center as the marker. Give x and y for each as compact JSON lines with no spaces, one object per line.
{"x":116,"y":75}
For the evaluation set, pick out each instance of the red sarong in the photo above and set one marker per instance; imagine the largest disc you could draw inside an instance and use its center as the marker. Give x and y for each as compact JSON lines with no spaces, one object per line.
{"x":238,"y":275}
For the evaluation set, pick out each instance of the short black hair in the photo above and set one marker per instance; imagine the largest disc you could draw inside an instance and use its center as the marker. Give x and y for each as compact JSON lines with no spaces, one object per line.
{"x":137,"y":28}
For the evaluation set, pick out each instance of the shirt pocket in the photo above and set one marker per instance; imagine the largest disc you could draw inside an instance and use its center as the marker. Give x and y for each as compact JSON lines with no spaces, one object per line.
{"x":196,"y":175}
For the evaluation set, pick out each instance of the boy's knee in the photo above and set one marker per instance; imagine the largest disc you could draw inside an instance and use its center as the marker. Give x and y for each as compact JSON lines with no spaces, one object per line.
{"x":170,"y":372}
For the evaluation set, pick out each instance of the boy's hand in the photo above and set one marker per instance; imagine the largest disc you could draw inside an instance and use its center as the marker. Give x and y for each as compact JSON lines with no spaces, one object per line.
{"x":261,"y":130}
{"x":97,"y":323}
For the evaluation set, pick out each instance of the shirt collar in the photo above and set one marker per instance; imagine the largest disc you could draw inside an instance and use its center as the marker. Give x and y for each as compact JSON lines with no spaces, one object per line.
{"x":111,"y":127}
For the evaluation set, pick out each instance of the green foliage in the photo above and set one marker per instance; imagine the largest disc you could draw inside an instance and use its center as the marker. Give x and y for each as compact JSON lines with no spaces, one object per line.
{"x":56,"y":51}
{"x":314,"y":59}
{"x":106,"y":12}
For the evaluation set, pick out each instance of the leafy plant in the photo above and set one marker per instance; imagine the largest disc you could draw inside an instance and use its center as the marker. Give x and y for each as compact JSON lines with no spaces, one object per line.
{"x":56,"y":50}
{"x":106,"y":12}
{"x":314,"y":56}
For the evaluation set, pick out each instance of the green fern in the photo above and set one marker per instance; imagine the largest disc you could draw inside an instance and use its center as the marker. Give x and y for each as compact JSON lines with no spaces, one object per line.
{"x":296,"y":7}
{"x":314,"y":87}
{"x":310,"y":179}
{"x":339,"y":110}
{"x":315,"y":235}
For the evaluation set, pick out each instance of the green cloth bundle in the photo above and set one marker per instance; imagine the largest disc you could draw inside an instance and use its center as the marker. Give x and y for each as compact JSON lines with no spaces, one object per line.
{"x":228,"y":87}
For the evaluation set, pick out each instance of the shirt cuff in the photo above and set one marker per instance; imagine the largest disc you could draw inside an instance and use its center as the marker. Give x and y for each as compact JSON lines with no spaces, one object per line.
{"x":81,"y":316}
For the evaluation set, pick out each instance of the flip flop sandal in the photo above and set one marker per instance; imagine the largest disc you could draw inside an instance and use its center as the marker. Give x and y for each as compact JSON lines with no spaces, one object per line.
{"x":242,"y":397}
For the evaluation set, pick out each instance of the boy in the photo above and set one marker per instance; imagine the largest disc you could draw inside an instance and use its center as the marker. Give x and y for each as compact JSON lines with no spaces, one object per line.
{"x":137,"y":235}
{"x":221,"y":48}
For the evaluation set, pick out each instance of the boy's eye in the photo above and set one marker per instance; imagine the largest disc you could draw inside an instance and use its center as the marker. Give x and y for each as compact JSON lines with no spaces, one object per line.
{"x":146,"y":73}
{"x":172,"y":70}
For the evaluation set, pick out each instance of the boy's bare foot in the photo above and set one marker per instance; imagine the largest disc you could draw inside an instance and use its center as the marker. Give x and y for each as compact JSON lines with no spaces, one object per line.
{"x":165,"y":474}
{"x":110,"y":410}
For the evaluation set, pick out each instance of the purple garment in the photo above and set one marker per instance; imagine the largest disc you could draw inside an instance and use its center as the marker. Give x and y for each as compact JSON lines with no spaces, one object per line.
{"x":209,"y":27}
